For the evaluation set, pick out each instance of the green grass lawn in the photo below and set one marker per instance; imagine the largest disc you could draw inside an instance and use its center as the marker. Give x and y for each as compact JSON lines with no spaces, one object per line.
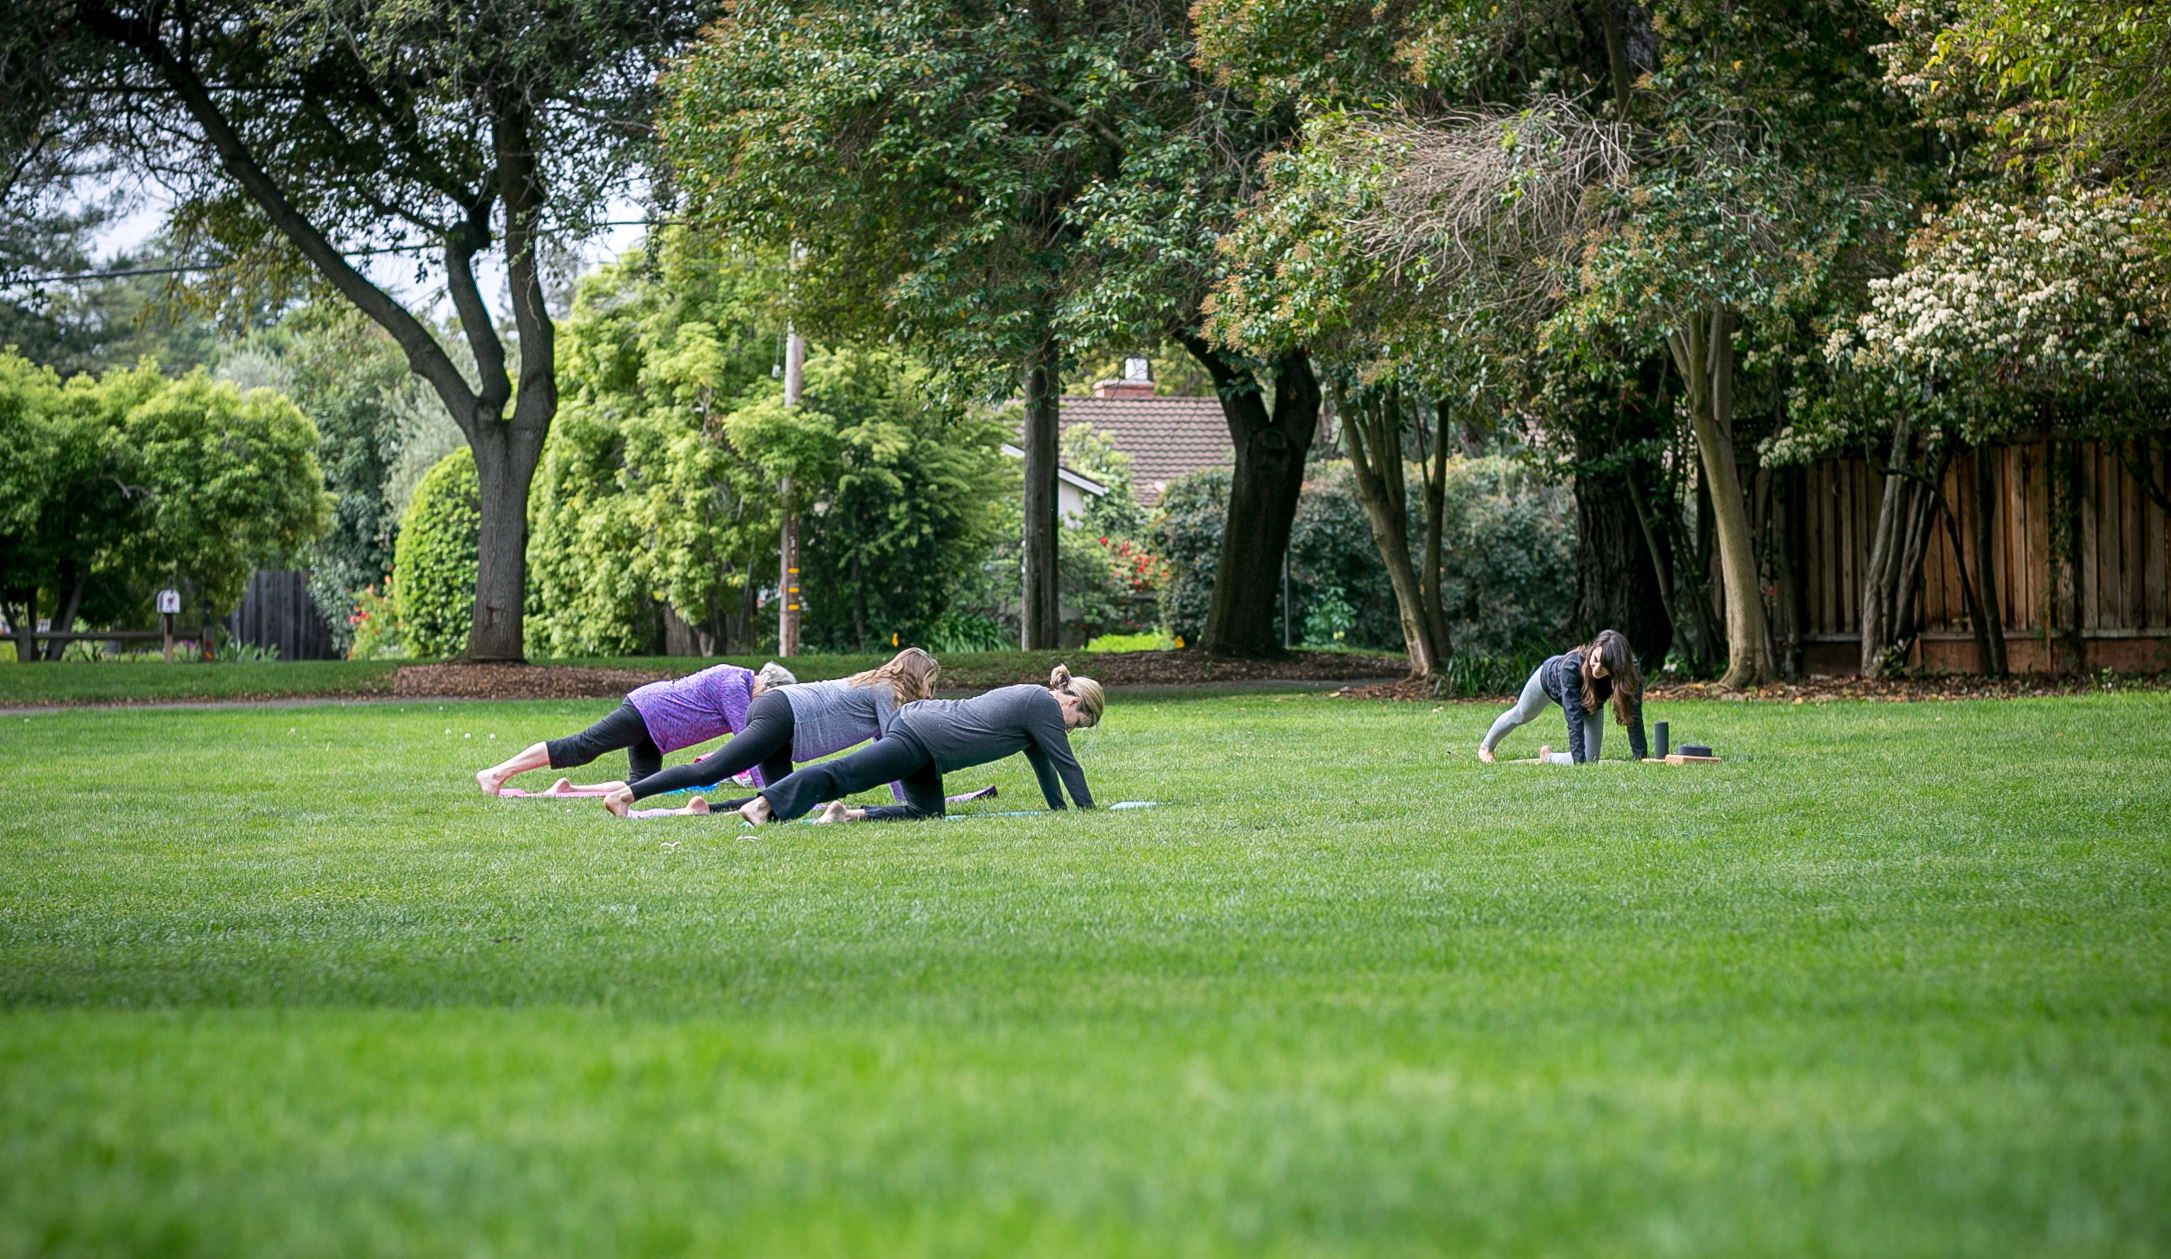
{"x":1894,"y":980}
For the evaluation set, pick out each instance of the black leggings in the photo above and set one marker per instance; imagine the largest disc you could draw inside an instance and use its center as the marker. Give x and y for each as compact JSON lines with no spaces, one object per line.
{"x":897,"y":757}
{"x":624,"y":728}
{"x":766,"y":741}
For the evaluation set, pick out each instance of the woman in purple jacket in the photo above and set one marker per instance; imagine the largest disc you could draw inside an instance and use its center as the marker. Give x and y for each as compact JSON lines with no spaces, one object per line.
{"x":658,"y":718}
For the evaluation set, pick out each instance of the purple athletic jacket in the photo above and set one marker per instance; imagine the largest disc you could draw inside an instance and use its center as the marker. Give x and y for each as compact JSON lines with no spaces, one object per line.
{"x":697,"y":708}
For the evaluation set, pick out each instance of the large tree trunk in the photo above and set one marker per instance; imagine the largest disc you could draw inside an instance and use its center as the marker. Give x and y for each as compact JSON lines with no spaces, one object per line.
{"x":506,"y":450}
{"x":1041,"y":614}
{"x":1624,"y":533}
{"x":1704,"y":351}
{"x":1270,"y":451}
{"x":1779,"y":553}
{"x":1990,"y":610}
{"x":1428,"y":571}
{"x":1880,"y":580}
{"x":74,"y":577}
{"x":1373,"y":430}
{"x":2065,"y":548}
{"x":1920,"y":517}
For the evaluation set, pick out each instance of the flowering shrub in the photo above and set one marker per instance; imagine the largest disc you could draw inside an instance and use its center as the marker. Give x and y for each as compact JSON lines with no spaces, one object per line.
{"x":2003,"y":303}
{"x":1137,"y":568}
{"x":374,"y":626}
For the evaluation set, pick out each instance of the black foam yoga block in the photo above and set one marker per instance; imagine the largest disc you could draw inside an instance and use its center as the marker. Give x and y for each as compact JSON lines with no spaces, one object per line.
{"x":1693,"y":749}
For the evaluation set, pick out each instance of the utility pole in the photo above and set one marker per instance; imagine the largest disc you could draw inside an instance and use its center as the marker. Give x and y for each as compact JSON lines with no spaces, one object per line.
{"x":787,"y":604}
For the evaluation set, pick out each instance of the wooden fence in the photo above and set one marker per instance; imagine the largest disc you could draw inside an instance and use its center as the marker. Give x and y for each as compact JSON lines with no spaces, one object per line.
{"x":2112,"y":612}
{"x":277,"y":611}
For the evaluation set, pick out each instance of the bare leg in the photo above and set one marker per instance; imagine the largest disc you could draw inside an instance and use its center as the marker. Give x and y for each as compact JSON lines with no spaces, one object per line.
{"x":493,"y":778}
{"x":756,"y":810}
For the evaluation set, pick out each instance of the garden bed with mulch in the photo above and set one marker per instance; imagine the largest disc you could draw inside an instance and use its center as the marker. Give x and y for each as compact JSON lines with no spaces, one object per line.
{"x":1128,"y":668}
{"x":1825,"y":690}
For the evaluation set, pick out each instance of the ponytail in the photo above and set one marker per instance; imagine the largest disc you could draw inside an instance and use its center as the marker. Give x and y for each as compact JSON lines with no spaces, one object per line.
{"x":1091,"y":698}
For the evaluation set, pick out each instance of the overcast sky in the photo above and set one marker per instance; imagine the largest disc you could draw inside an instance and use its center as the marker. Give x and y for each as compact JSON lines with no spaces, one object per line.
{"x":395,"y":273}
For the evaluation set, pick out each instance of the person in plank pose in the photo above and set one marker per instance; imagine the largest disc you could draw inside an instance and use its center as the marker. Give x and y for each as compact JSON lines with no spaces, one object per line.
{"x":1579,"y":681}
{"x":658,"y":718}
{"x":930,"y":738}
{"x":800,"y":723}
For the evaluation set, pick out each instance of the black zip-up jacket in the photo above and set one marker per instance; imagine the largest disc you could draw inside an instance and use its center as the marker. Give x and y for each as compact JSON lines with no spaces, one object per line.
{"x":1562,"y":678}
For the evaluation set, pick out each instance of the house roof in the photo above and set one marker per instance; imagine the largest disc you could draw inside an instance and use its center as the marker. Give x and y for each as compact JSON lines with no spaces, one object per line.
{"x":1064,"y":474}
{"x":1165,"y":437}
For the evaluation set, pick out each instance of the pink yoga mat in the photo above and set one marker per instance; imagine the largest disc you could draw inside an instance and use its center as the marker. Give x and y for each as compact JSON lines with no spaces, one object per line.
{"x":568,"y":794}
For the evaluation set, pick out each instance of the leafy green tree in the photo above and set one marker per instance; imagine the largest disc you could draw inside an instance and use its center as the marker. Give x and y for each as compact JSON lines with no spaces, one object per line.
{"x":347,"y":376}
{"x":1007,"y":189}
{"x":1093,"y":454}
{"x":140,"y":481}
{"x":2061,"y":94}
{"x":659,"y":489}
{"x":908,"y":500}
{"x":304,"y":132}
{"x":1722,"y":181}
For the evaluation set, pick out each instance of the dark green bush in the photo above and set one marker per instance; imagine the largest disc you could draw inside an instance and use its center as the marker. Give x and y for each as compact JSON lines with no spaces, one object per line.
{"x":433,"y":567}
{"x":1507,"y":569}
{"x":1187,"y":537}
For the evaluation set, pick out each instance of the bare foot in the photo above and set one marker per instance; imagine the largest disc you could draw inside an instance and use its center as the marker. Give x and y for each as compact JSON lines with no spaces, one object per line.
{"x":619,"y":801}
{"x":698,"y":806}
{"x":1545,"y":754}
{"x":490,"y":780}
{"x":1485,"y":754}
{"x":835,"y":812}
{"x":756,"y":810}
{"x":562,"y":787}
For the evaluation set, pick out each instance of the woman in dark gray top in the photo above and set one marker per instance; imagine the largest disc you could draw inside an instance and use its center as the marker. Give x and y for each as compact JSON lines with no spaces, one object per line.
{"x":928,"y":739}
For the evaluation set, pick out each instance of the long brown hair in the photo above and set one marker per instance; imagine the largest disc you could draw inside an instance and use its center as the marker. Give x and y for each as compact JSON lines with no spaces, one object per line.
{"x":1610,"y":649}
{"x":910,"y":675}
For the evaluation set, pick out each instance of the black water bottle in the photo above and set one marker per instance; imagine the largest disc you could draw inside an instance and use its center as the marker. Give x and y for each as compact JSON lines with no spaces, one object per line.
{"x":1659,"y":730}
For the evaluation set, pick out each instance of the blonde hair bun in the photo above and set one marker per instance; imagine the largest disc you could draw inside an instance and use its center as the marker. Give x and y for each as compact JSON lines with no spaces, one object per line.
{"x":1090,"y":697}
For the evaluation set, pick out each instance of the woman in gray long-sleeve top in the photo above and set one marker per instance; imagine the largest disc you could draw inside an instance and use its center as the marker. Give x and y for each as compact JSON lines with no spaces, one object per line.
{"x":802,"y":722}
{"x":933,"y":737}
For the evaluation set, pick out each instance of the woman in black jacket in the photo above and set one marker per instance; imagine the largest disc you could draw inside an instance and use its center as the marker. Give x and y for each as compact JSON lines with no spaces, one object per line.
{"x":1580,"y":682}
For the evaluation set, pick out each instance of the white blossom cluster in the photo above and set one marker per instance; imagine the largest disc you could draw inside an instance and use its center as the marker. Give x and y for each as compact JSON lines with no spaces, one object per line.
{"x":2024,"y":297}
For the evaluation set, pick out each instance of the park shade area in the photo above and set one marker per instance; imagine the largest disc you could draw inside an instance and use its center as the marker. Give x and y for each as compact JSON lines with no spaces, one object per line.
{"x":1890,"y":979}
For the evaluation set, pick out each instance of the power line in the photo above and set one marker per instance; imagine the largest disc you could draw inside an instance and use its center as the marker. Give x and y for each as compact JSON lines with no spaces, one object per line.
{"x":221,"y":266}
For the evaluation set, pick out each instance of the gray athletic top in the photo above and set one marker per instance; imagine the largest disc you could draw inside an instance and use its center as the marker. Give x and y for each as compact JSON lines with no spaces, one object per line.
{"x":964,"y":732}
{"x":832,"y":716}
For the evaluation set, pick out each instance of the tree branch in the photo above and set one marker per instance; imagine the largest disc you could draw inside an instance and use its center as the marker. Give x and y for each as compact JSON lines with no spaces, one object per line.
{"x":424,"y":355}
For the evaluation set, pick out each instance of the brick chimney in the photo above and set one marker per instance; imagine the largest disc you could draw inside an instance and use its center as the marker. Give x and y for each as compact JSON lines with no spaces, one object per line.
{"x":1137,"y":381}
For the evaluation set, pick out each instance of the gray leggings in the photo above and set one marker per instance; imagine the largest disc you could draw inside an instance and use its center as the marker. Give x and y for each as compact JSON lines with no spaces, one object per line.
{"x":1528,"y":707}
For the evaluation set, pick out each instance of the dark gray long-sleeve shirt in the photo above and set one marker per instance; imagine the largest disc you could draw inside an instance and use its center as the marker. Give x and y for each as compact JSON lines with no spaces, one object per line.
{"x":1562,"y":678}
{"x":832,"y":716}
{"x":963,"y":732}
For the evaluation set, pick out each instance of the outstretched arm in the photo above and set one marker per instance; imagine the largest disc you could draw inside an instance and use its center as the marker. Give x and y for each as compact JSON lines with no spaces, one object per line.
{"x":1050,"y":755}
